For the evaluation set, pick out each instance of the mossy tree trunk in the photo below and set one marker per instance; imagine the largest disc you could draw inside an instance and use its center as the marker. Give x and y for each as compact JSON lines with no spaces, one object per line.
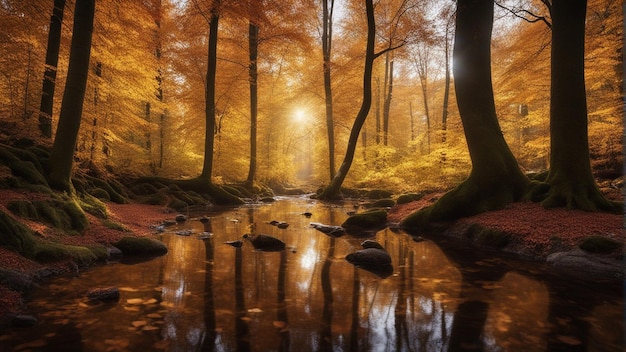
{"x":62,"y":154}
{"x":333,"y":189}
{"x":570,"y":177}
{"x":495,"y":178}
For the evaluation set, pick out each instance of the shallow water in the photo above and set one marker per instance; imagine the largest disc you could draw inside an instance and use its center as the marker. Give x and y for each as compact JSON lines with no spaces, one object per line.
{"x":207,"y":295}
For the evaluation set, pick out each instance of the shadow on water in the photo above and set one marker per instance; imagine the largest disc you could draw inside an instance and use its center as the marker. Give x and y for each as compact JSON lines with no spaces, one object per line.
{"x":205,"y":295}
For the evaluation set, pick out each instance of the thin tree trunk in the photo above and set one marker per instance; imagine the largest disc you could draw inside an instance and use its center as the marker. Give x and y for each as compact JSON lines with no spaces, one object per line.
{"x":253,"y":46}
{"x":387,"y":102}
{"x":50,"y":73}
{"x":334,"y":188}
{"x":209,"y":136}
{"x":327,"y":35}
{"x":62,"y":154}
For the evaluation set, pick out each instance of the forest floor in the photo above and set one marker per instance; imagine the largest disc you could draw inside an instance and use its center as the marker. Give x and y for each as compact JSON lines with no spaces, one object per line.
{"x":530,"y":225}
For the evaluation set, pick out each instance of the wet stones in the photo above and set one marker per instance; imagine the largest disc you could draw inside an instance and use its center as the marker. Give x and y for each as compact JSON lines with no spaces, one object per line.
{"x":330,"y":230}
{"x":104,"y":294}
{"x":266,"y":243}
{"x":373,"y":258}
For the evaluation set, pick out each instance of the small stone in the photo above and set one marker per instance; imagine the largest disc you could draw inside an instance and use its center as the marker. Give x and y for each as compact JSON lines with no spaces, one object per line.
{"x":180,"y":218}
{"x":105,"y":294}
{"x":24,"y":321}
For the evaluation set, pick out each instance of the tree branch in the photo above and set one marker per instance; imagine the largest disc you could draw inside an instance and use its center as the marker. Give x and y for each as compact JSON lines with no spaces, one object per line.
{"x":522,"y":13}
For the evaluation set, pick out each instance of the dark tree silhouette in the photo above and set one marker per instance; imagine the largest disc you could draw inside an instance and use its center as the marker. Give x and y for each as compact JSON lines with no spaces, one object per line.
{"x":62,"y":154}
{"x":495,"y":179}
{"x":50,"y":73}
{"x":253,"y":48}
{"x":570,"y":178}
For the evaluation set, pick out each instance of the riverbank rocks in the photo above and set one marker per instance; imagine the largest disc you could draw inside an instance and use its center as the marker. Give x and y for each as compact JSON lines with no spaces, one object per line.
{"x":24,"y":321}
{"x":141,"y":246}
{"x":578,"y":263}
{"x":265,"y":243}
{"x":104,"y":294}
{"x":330,"y":230}
{"x":366,"y":223}
{"x":373,"y":258}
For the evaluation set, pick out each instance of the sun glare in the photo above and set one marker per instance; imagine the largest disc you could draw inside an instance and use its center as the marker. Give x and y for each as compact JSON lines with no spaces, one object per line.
{"x":299,"y":115}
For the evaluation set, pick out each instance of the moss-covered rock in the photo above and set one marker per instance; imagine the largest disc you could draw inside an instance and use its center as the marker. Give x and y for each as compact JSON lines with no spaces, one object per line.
{"x":144,"y":189}
{"x":378,"y":194}
{"x":599,"y":245}
{"x":141,"y":246}
{"x":46,"y":251}
{"x":408,"y":198}
{"x":492,"y":238}
{"x":100,"y":193}
{"x":370,"y":220}
{"x":383,"y":203}
{"x":16,"y":236}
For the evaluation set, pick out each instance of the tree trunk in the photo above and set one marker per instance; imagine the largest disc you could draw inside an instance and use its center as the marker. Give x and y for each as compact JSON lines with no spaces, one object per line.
{"x":334,"y":188}
{"x":327,"y":35}
{"x":62,"y":154}
{"x":253,"y":46}
{"x":446,"y":95}
{"x":570,"y":177}
{"x":387,"y":102}
{"x":50,"y":73}
{"x":495,"y":179}
{"x":209,"y":95}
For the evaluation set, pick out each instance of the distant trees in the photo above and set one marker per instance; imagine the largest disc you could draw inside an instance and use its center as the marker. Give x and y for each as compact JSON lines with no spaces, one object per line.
{"x":62,"y":154}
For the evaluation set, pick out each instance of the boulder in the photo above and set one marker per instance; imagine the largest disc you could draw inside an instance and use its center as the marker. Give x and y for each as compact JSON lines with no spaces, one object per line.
{"x":330,"y":230}
{"x":265,"y":243}
{"x":104,"y":294}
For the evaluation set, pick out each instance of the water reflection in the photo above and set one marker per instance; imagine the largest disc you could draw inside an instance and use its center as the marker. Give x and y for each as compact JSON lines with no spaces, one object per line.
{"x":207,"y":295}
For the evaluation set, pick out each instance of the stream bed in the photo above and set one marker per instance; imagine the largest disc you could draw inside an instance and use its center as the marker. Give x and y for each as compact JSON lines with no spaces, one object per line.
{"x":205,"y":295}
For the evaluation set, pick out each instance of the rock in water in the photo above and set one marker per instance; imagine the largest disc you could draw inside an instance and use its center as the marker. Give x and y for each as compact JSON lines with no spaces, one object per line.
{"x":266,"y":243}
{"x":373,"y":258}
{"x":104,"y":294}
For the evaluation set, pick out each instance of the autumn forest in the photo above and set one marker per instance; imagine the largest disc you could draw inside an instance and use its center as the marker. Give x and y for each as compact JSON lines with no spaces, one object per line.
{"x":144,"y":110}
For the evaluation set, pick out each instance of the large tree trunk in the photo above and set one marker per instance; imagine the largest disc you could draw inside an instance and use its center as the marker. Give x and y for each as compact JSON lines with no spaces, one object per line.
{"x":495,"y":179}
{"x":62,"y":154}
{"x":50,"y":73}
{"x":209,"y":96}
{"x":334,"y":188}
{"x":327,"y":35}
{"x":570,"y":177}
{"x":253,"y":45}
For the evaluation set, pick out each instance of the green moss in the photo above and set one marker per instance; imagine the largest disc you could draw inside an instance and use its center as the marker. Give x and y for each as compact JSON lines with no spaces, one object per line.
{"x":375,"y":218}
{"x":100,"y":194}
{"x":408,"y":198}
{"x":46,"y":251}
{"x":99,"y":251}
{"x":492,"y":238}
{"x":141,"y":246}
{"x":115,"y":226}
{"x":176,"y":203}
{"x":28,"y":171}
{"x":78,"y":220}
{"x":143,"y":189}
{"x":384,"y":203}
{"x":379,"y":194}
{"x":51,"y":212}
{"x":599,"y":244}
{"x":93,"y":206}
{"x":24,"y":209}
{"x":15,"y":236}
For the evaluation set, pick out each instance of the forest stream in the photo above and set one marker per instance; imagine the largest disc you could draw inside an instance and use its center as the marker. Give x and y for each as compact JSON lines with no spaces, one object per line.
{"x":208,"y":295}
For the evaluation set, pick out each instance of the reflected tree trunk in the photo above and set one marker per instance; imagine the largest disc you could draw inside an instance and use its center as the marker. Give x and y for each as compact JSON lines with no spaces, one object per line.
{"x":326,"y":338}
{"x":242,"y":329}
{"x":281,"y":314}
{"x":356,"y":320}
{"x":208,"y":343}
